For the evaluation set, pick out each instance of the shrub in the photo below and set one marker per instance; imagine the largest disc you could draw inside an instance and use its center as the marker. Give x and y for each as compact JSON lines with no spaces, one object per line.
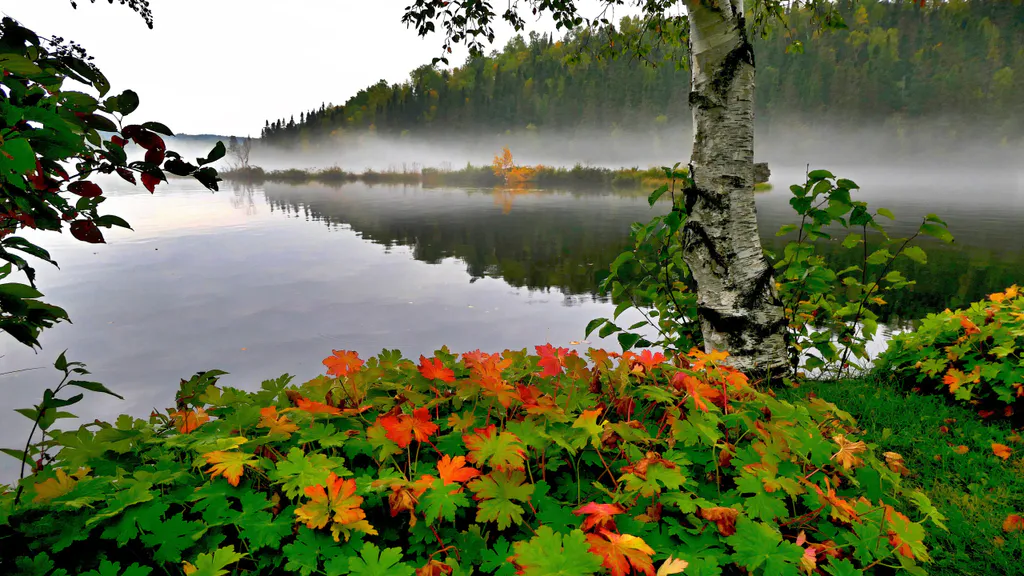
{"x":483,"y":462}
{"x":832,"y":289}
{"x":974,"y":354}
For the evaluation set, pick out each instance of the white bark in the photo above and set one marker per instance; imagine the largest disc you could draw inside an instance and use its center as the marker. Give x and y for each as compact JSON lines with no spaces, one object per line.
{"x":739,"y":306}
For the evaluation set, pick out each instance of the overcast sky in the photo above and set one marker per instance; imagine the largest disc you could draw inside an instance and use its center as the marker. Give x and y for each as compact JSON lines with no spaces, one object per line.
{"x":226,"y":66}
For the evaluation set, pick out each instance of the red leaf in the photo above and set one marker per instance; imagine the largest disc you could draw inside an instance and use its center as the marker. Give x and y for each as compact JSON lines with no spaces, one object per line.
{"x":601,"y":516}
{"x":149,"y":181}
{"x":435,"y":370}
{"x":622,"y":553}
{"x":118,"y":140}
{"x":85,"y":188}
{"x":155,"y":156}
{"x":343,"y":363}
{"x":455,"y":470}
{"x":403,"y":428}
{"x":86,"y":231}
{"x":126,"y":174}
{"x":149,"y":140}
{"x":551,"y":359}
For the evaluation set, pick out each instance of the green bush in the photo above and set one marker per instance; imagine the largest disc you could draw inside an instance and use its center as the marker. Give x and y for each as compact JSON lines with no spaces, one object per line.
{"x":475,"y":464}
{"x":974,"y":354}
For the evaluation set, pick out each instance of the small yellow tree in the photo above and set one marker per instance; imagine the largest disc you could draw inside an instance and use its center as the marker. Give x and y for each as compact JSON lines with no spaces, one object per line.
{"x":504,"y":167}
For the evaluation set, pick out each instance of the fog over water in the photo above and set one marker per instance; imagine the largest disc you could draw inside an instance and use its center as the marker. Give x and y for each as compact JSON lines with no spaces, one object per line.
{"x":267,"y":279}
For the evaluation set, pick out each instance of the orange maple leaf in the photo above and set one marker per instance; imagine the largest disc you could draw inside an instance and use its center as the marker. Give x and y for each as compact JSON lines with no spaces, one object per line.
{"x":454,"y":470}
{"x":645,"y":361}
{"x":343,"y":363}
{"x":314,"y":407}
{"x":1001,"y":450}
{"x":404,"y":428}
{"x":894,"y":539}
{"x":847,"y":454}
{"x":961,"y":449}
{"x":599,"y":516}
{"x":622,"y":553}
{"x":229,"y":464}
{"x":697,"y":389}
{"x":968,"y":326}
{"x":724,"y":518}
{"x":336,"y":502}
{"x":435,"y":370}
{"x":277,"y":424}
{"x":700,"y":359}
{"x":187,"y":421}
{"x":956,"y":378}
{"x":1013,"y":523}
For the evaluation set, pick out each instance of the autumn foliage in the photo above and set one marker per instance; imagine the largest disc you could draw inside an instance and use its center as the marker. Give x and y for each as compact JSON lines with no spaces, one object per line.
{"x":556,"y":462}
{"x":504,"y":167}
{"x":976,"y":355}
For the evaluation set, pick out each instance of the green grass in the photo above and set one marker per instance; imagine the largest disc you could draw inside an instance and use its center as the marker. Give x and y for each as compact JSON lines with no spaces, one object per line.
{"x":975,"y":491}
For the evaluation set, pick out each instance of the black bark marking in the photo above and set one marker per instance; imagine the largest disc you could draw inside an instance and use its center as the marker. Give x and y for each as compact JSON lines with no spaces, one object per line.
{"x":702,"y":102}
{"x":694,"y":233}
{"x":761,"y":286}
{"x":693,"y":193}
{"x":743,"y":53}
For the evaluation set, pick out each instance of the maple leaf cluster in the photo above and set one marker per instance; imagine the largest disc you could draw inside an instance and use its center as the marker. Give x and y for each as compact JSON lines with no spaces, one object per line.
{"x":545,"y":463}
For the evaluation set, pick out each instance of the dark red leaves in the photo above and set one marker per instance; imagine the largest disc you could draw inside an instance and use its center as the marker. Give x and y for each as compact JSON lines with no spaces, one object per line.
{"x":155,"y":156}
{"x":149,"y":181}
{"x":118,"y":140}
{"x":126,"y":174}
{"x":86,"y":231}
{"x":85,"y":188}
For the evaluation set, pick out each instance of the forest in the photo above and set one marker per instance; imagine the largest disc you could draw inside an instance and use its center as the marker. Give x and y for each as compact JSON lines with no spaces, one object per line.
{"x":956,"y":67}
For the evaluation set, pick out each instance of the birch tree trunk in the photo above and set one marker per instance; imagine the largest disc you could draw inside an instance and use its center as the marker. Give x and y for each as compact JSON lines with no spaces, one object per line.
{"x":738,"y":304}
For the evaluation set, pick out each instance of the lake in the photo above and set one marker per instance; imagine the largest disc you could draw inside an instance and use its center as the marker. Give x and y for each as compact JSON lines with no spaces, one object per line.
{"x":261,"y":281}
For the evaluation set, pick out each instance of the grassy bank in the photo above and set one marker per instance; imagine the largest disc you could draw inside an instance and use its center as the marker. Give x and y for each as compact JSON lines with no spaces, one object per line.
{"x":948,"y":452}
{"x":578,"y":176}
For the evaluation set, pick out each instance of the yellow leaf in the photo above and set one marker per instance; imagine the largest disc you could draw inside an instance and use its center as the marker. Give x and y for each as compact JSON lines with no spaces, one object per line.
{"x":672,"y":566}
{"x":230,"y":465}
{"x":54,"y":487}
{"x":188,"y":568}
{"x":846,"y":456}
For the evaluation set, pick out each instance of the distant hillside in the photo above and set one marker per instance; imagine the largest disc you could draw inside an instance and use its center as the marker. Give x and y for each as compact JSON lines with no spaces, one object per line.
{"x":958,"y":65}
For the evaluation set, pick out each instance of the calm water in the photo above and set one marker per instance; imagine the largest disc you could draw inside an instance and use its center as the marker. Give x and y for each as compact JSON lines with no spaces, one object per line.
{"x":267,"y":280}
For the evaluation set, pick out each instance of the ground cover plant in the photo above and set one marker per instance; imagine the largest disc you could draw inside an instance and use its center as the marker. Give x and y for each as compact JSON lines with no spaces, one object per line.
{"x":480,"y":463}
{"x":973,"y":354}
{"x":970,"y":469}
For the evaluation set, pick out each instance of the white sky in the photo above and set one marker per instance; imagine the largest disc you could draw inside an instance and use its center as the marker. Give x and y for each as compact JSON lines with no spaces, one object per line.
{"x":226,"y":66}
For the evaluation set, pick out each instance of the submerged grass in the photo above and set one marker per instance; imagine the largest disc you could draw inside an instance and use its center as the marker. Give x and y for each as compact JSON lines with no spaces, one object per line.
{"x":975,"y":489}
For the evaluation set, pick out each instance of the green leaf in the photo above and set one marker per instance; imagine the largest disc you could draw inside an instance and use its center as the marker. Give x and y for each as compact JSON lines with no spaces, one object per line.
{"x":938,"y":231}
{"x":498,"y":493}
{"x":757,"y":544}
{"x":852,"y":240}
{"x":108,"y":568}
{"x":594,"y":325}
{"x":627,"y":340}
{"x":495,"y":559}
{"x":158,"y":128}
{"x":21,"y":291}
{"x":372,"y":561}
{"x":215,"y":564}
{"x":94,"y":387}
{"x":440,"y":501}
{"x":20,"y":65}
{"x":887,"y":213}
{"x":786,"y":229}
{"x":820,"y":174}
{"x":880,"y":256}
{"x":549,"y":553}
{"x":658,"y":192}
{"x":916,"y":254}
{"x":16,"y":155}
{"x":127,"y":102}
{"x":217,"y":153}
{"x":842,"y":567}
